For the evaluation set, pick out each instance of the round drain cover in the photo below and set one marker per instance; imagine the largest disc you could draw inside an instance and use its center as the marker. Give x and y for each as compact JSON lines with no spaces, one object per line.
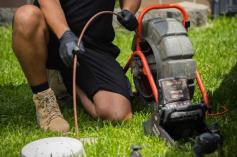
{"x":54,"y":147}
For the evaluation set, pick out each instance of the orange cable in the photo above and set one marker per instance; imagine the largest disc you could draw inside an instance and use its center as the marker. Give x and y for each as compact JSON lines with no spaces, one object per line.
{"x":75,"y":65}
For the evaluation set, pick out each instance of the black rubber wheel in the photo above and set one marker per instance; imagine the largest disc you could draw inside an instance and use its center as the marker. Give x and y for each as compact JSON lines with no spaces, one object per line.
{"x":154,"y":46}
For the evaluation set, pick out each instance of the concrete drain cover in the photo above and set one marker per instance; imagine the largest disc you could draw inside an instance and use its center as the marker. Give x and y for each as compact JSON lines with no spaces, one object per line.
{"x":54,"y":147}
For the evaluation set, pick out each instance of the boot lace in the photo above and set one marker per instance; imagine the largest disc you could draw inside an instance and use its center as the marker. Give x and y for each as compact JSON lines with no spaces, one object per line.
{"x":50,"y":106}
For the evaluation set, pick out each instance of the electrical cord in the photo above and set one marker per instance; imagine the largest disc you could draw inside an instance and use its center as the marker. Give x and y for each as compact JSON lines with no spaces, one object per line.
{"x":75,"y":64}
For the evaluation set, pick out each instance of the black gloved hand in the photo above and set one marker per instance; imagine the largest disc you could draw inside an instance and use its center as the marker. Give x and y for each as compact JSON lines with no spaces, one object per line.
{"x":68,"y":47}
{"x":128,"y":20}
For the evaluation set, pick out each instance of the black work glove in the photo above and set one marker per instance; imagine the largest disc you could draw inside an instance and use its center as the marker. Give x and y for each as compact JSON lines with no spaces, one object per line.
{"x":68,"y":47}
{"x":128,"y":20}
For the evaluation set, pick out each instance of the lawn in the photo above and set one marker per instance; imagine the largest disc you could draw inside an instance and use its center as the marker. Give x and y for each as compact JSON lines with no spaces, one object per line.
{"x":216,"y":56}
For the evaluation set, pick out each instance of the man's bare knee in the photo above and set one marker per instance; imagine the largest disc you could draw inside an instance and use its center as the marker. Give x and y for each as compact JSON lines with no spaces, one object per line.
{"x":27,"y":20}
{"x":114,"y":112}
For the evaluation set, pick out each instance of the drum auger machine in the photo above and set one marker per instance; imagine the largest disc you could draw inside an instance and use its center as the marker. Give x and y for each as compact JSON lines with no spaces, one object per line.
{"x":164,"y":74}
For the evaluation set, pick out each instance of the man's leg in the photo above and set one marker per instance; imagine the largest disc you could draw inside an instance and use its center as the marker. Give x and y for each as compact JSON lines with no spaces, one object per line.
{"x":112,"y":106}
{"x":30,"y":38}
{"x":107,"y":105}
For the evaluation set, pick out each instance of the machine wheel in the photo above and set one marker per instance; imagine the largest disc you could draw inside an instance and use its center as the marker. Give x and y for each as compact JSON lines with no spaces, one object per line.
{"x":169,"y":53}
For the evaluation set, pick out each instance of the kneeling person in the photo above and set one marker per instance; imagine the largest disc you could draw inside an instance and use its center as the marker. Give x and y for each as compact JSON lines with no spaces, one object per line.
{"x":45,"y":35}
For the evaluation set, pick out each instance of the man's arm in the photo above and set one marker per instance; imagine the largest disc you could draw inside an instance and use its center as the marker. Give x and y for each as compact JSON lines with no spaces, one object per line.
{"x":131,"y":5}
{"x":54,"y":16}
{"x":56,"y":20}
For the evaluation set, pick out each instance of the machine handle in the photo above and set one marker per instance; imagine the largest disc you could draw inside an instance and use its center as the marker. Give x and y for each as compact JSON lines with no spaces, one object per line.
{"x":158,"y":6}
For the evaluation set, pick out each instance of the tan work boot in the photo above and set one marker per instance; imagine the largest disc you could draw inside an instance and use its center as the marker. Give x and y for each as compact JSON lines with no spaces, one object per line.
{"x":48,"y":113}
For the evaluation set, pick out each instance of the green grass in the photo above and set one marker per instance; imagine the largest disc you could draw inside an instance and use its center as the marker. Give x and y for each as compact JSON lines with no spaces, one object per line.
{"x":216,"y":56}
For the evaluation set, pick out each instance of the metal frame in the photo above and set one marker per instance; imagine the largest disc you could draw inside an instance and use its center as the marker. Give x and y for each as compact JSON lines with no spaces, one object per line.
{"x":138,"y":52}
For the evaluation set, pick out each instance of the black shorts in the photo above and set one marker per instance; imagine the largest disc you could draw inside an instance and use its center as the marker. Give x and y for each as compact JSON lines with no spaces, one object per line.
{"x":98,"y":70}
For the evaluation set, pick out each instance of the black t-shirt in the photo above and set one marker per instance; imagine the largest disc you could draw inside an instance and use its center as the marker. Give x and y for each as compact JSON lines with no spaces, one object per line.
{"x":100,"y":34}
